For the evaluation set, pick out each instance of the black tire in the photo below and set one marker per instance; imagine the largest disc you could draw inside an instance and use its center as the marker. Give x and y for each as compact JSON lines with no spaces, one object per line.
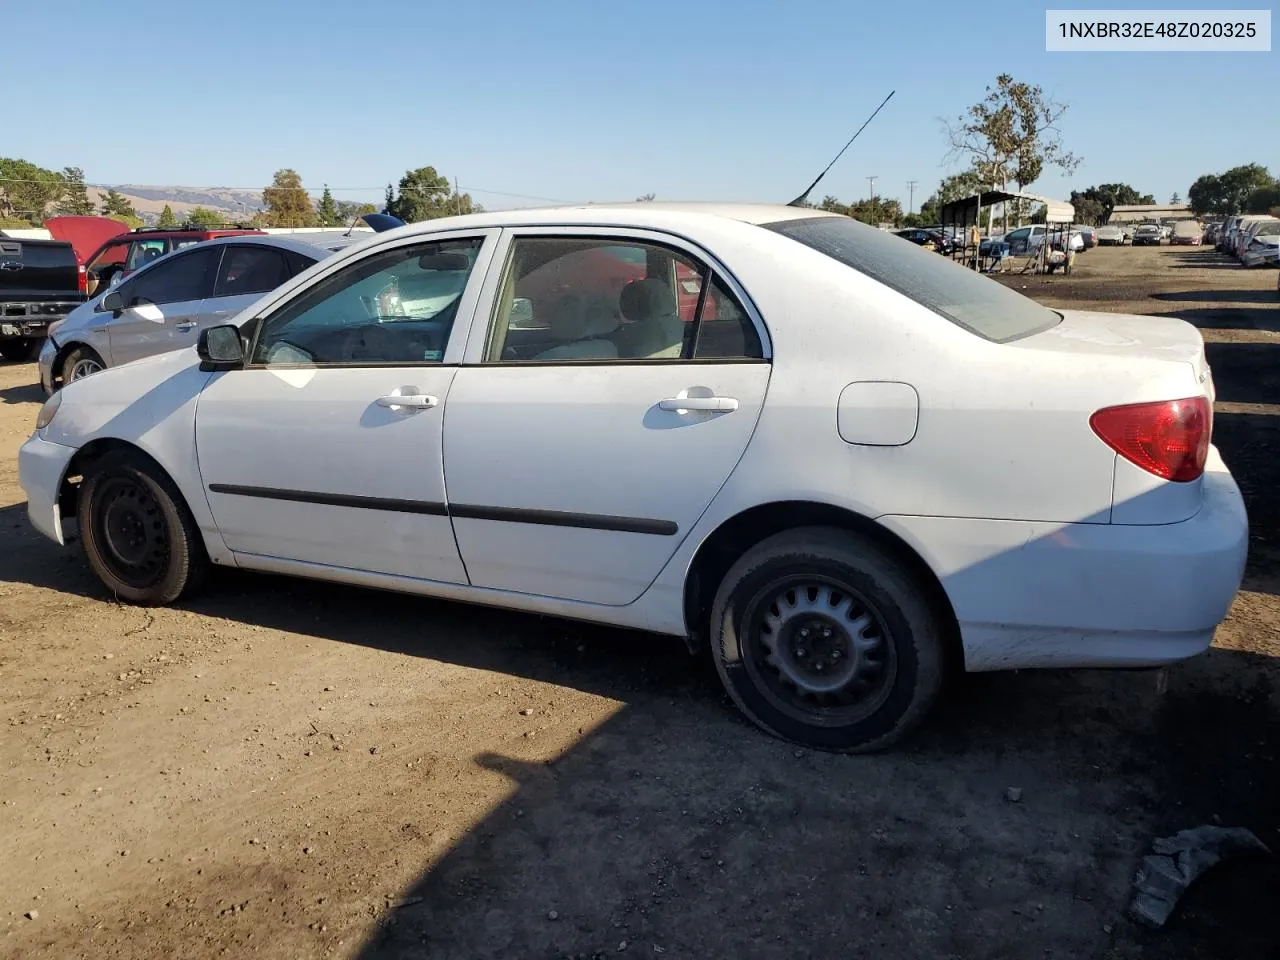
{"x":888,"y":687}
{"x":78,"y":354}
{"x":23,"y":350}
{"x":137,"y":533}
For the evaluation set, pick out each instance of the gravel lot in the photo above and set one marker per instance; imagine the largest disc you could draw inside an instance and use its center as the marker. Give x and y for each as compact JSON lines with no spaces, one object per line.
{"x":287,"y":769}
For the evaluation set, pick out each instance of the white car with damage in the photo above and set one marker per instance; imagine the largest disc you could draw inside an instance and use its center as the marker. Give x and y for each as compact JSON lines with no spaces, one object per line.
{"x":846,"y":464}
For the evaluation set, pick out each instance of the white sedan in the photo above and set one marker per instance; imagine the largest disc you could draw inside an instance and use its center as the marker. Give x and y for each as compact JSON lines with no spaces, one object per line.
{"x":846,"y":464}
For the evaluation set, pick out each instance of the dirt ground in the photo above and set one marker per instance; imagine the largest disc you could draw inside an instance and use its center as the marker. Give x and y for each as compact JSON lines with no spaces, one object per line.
{"x":285,"y":769}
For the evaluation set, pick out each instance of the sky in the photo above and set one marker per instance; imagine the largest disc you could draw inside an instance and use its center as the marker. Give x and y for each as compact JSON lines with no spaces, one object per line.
{"x":527,"y":102}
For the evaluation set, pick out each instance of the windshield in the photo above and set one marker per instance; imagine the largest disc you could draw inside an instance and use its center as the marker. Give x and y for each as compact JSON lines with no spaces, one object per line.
{"x":965,"y":297}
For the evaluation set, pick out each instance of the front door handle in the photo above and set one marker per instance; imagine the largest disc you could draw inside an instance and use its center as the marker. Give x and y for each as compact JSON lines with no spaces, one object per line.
{"x":685,"y":404}
{"x":186,"y":326}
{"x":407,"y":401}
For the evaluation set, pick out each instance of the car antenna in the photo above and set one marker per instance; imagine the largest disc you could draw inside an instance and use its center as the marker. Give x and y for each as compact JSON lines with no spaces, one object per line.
{"x":803,"y":199}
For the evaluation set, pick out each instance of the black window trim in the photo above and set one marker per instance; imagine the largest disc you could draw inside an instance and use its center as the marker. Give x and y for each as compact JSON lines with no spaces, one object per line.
{"x":259,"y":320}
{"x":226,"y":247}
{"x":709,"y":267}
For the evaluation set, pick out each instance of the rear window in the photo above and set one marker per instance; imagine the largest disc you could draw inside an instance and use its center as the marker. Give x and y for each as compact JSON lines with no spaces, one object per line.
{"x":966,"y":298}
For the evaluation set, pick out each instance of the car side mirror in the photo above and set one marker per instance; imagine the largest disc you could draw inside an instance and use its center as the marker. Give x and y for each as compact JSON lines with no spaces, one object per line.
{"x":220,"y":348}
{"x":113,"y":302}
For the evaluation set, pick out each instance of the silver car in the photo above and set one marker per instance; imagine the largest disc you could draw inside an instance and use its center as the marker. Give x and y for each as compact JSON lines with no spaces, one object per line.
{"x":165,"y":304}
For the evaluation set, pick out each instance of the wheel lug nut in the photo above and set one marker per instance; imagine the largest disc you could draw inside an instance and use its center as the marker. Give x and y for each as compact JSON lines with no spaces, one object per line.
{"x":800,"y":652}
{"x":835,"y":654}
{"x":826,"y":632}
{"x":804,"y":631}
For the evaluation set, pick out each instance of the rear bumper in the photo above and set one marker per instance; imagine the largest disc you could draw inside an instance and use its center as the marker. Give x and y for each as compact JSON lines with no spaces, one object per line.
{"x":1088,"y":594}
{"x":41,"y":467}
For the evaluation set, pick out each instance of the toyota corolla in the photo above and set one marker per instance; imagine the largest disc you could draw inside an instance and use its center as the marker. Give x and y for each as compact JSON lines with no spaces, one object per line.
{"x":844,"y":463}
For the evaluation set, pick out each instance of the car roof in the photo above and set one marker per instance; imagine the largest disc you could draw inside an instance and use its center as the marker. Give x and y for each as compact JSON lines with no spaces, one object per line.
{"x":288,"y":242}
{"x":638,"y":213}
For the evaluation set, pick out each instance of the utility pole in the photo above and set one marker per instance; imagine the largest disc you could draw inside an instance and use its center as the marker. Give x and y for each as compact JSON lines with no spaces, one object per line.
{"x":872,"y":181}
{"x":457,"y":197}
{"x":911,"y":196}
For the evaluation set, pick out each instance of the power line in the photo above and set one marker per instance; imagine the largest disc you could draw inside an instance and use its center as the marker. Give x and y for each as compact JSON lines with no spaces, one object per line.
{"x":332,"y":189}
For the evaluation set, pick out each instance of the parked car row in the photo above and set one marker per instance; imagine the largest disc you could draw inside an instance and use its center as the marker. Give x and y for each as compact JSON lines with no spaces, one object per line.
{"x":1254,"y":240}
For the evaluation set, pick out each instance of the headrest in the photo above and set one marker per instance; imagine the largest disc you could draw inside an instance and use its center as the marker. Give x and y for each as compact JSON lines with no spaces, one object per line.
{"x":645,"y":299}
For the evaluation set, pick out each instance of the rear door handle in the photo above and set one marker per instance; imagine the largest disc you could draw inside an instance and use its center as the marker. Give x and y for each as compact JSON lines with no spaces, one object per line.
{"x":185,"y":326}
{"x":685,"y":404}
{"x":408,"y":401}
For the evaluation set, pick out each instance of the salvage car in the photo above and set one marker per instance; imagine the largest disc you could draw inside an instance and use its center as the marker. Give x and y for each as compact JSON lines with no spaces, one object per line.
{"x":167,"y":302}
{"x":868,"y":468}
{"x":1147,"y":234}
{"x":1186,"y":232}
{"x":1262,"y":249}
{"x":1111,"y":236}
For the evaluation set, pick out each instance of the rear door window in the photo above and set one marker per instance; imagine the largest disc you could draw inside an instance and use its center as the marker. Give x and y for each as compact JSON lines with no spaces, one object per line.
{"x":250,"y":269}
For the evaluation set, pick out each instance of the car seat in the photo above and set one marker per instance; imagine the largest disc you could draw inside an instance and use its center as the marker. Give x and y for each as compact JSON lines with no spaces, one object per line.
{"x":655,"y":330}
{"x":580,"y":325}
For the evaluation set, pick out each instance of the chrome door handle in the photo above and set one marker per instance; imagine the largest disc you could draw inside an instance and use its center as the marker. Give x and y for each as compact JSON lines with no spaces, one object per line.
{"x":685,"y":404}
{"x":408,"y":401}
{"x":185,"y":326}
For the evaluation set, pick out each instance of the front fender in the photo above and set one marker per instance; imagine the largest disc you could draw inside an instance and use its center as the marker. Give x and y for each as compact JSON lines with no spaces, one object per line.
{"x":149,"y":404}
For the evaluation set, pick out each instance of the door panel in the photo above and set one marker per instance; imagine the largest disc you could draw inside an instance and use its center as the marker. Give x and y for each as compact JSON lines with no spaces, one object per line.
{"x":328,"y":447}
{"x":150,"y":328}
{"x":572,"y":481}
{"x":307,"y":465}
{"x":162,"y":306}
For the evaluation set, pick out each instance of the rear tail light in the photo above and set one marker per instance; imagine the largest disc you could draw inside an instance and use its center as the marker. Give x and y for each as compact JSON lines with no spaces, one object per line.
{"x":82,"y":279}
{"x":1169,"y":438}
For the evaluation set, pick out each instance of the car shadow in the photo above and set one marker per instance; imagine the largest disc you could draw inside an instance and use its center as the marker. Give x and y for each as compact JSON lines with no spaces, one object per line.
{"x":676,"y":824}
{"x":26,"y":393}
{"x":1220,"y":296}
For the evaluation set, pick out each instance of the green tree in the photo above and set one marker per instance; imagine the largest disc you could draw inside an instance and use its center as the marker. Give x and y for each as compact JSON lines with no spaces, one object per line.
{"x":204,"y":218}
{"x":117,"y":206}
{"x":645,"y":198}
{"x":1094,"y":204}
{"x":348,"y":211}
{"x":26,"y":190}
{"x":957,"y":186}
{"x":425,"y":194}
{"x":389,"y":200}
{"x":1011,"y":135}
{"x":287,"y":203}
{"x":1175,"y":198}
{"x":1227,"y":194}
{"x":327,"y":210}
{"x":1264,"y":199}
{"x":75,"y":200}
{"x":167,"y":219}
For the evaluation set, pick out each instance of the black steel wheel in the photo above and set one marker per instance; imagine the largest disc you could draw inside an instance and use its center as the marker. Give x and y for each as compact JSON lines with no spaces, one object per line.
{"x":138,"y":535}
{"x":829,"y":640}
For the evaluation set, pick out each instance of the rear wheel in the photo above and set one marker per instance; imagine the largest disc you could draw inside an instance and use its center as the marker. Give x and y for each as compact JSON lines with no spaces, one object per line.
{"x":138,"y":535}
{"x":23,"y":350}
{"x":826,"y":639}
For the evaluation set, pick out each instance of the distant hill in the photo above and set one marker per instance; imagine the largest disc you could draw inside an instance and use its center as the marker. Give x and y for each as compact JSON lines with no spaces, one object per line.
{"x":149,"y":199}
